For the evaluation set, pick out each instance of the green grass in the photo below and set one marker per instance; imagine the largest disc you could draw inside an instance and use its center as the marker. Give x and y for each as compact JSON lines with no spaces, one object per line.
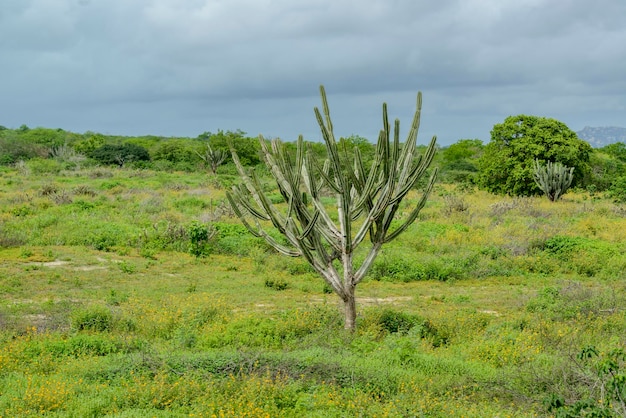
{"x":479,"y":310}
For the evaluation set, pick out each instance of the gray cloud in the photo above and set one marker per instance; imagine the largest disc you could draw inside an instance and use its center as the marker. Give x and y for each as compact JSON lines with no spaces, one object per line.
{"x":168,"y":67}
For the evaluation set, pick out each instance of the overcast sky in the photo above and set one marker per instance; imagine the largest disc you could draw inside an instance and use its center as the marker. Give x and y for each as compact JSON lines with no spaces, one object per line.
{"x":183,"y":67}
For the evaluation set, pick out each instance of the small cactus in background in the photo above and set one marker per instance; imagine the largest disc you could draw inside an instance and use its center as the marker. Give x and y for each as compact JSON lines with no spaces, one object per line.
{"x":553,"y":179}
{"x":213,"y":158}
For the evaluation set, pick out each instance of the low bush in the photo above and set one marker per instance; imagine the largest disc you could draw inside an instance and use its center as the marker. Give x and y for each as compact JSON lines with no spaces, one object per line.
{"x":96,"y":318}
{"x":572,"y":300}
{"x":200,"y":236}
{"x":276,"y":284}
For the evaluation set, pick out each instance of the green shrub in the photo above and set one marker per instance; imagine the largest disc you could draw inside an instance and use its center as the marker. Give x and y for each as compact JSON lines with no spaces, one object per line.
{"x":617,"y":190}
{"x":103,"y":241}
{"x":83,"y":345}
{"x":572,"y":300}
{"x":235,"y":239}
{"x":582,"y":255}
{"x":44,"y":166}
{"x":199,"y":239}
{"x":605,"y":396}
{"x":395,"y":321}
{"x":276,"y":284}
{"x":96,"y":318}
{"x":13,"y":148}
{"x":403,"y":269}
{"x":166,"y":236}
{"x":110,"y":154}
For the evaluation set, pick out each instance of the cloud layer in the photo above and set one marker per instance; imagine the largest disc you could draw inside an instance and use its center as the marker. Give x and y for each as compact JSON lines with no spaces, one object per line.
{"x":179,"y":68}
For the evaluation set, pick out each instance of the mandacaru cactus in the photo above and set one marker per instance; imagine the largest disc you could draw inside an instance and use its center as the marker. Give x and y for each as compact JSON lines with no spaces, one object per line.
{"x":213,"y":158}
{"x":553,"y":179}
{"x":367,"y":200}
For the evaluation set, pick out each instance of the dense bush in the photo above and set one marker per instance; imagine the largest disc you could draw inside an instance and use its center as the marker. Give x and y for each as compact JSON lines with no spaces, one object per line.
{"x":176,"y":151}
{"x":617,"y":190}
{"x":97,"y":318}
{"x":109,"y":154}
{"x":506,"y":166}
{"x":13,"y":148}
{"x":199,"y":238}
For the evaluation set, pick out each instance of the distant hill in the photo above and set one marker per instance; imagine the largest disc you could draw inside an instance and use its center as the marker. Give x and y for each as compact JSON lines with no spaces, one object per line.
{"x":602,"y":136}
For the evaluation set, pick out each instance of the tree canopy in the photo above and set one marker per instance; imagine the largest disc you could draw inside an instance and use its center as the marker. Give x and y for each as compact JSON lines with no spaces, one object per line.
{"x":506,"y":166}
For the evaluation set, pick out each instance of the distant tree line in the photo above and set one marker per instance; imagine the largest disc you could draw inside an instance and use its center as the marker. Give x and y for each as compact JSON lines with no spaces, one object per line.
{"x":505,"y":165}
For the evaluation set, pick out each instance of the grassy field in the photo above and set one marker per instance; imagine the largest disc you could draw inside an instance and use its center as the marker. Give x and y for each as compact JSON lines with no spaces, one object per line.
{"x":487,"y":307}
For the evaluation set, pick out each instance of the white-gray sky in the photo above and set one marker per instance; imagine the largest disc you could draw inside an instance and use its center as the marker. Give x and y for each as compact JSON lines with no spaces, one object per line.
{"x":183,"y":67}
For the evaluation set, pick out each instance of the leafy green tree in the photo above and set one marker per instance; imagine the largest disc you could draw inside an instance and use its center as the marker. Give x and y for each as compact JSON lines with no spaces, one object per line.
{"x":120,"y":154}
{"x":605,"y":168}
{"x":14,"y":148}
{"x":368,"y":198}
{"x":506,"y":166}
{"x":45,"y":136}
{"x":463,"y":154}
{"x":460,"y":161}
{"x":366,"y":148}
{"x":89,"y":142}
{"x":247,"y":148}
{"x":175,"y":151}
{"x":617,"y":150}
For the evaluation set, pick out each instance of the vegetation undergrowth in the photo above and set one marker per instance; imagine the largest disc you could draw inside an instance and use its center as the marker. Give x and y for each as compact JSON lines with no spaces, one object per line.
{"x":131,"y":293}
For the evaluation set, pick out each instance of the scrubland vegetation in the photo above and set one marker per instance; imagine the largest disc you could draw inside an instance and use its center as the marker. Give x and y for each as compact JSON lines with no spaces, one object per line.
{"x":129,"y":288}
{"x":133,"y":292}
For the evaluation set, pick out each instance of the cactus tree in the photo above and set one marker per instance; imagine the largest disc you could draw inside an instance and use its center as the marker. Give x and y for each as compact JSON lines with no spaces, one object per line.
{"x":367,"y":201}
{"x":553,"y":179}
{"x":213,"y":158}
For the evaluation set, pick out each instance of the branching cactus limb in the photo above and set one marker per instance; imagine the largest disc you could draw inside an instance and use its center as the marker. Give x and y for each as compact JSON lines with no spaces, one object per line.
{"x":367,"y":200}
{"x":213,"y":158}
{"x":553,"y":179}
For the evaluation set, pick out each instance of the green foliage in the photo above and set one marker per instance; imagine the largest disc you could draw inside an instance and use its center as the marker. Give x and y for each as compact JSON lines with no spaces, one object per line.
{"x":506,"y":166}
{"x":393,"y":321}
{"x":571,"y":300}
{"x":96,"y":318}
{"x":206,"y":337}
{"x":617,"y":150}
{"x":200,"y":236}
{"x":579,"y":254}
{"x":365,"y":147}
{"x":605,"y":169}
{"x":14,"y":148}
{"x":553,"y":179}
{"x":403,"y":269}
{"x":44,"y":166}
{"x":82,"y":345}
{"x":181,"y":154}
{"x":460,"y":161}
{"x":247,"y":148}
{"x":44,"y":136}
{"x":608,"y":399}
{"x":110,"y":154}
{"x":90,"y":142}
{"x":276,"y":284}
{"x":566,"y":247}
{"x":617,"y":190}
